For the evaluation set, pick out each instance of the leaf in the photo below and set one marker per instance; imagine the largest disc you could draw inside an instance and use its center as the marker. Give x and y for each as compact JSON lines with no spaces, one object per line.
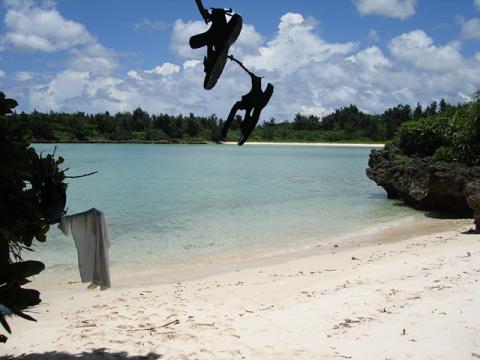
{"x":4,"y":323}
{"x":23,"y":315}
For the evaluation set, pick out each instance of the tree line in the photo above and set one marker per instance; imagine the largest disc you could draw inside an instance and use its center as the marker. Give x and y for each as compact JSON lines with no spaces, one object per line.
{"x":344,"y":124}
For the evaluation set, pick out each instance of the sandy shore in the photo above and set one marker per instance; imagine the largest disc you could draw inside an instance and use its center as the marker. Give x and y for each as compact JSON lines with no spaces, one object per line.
{"x":394,"y":297}
{"x":310,"y":144}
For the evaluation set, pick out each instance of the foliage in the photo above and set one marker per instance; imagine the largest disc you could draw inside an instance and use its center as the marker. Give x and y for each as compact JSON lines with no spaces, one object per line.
{"x":401,"y":160}
{"x":347,"y":124}
{"x":32,"y":196}
{"x":453,"y":134}
{"x":445,"y":154}
{"x":466,"y":138}
{"x":423,"y":137}
{"x":395,"y":117}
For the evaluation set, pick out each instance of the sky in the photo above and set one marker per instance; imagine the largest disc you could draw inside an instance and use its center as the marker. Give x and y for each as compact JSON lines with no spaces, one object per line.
{"x":115,"y":55}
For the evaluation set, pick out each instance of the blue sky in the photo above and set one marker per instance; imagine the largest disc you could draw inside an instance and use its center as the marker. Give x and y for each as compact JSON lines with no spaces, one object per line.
{"x":115,"y":55}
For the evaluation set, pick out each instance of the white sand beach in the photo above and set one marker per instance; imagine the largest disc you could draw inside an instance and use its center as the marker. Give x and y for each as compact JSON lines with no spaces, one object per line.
{"x":408,"y":292}
{"x":252,"y":143}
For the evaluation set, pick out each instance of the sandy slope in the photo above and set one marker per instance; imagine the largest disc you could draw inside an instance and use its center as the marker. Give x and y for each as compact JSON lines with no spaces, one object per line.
{"x":417,"y":298}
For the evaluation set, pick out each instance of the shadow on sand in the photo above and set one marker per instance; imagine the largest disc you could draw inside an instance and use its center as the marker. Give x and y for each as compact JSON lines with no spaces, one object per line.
{"x":94,"y":355}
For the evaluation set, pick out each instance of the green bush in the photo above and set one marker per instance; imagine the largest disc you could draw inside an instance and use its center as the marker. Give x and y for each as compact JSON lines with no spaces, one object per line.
{"x":401,"y":160}
{"x":466,"y":139}
{"x":445,"y":154}
{"x":423,"y":137}
{"x":156,"y":135}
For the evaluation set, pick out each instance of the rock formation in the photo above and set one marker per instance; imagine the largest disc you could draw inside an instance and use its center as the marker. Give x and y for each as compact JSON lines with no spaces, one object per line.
{"x":426,"y":184}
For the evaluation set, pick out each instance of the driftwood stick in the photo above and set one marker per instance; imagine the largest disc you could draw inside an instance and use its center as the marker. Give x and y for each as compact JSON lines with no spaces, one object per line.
{"x":80,"y":176}
{"x":173,"y":322}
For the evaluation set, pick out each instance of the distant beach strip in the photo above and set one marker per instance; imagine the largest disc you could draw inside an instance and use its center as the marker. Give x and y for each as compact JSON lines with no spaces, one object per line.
{"x":311,"y":144}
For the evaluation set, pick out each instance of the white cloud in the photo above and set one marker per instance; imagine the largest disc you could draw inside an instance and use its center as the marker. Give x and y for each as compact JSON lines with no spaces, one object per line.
{"x":81,"y":91}
{"x":42,"y":29}
{"x":191,"y":64}
{"x":181,"y":33}
{"x":477,"y":4}
{"x":152,"y":24}
{"x":248,"y":42}
{"x":294,"y":46}
{"x":371,"y":58}
{"x":24,"y":75}
{"x":373,"y":35}
{"x":401,"y":9}
{"x":471,"y":29}
{"x":66,"y":85}
{"x":165,"y":69}
{"x":93,"y":58}
{"x":134,"y":75}
{"x":2,"y":74}
{"x":417,"y":48}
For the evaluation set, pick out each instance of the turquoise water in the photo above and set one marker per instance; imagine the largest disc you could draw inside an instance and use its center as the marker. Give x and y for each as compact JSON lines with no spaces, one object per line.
{"x":176,"y":204}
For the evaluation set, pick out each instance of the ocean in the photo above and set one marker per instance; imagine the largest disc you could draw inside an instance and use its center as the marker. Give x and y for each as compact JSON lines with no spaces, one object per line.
{"x":173,"y":206}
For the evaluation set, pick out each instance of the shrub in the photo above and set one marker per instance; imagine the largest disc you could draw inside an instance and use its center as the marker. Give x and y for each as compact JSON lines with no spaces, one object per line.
{"x":466,"y":139}
{"x":401,"y":160}
{"x":445,"y":154}
{"x":423,"y":137}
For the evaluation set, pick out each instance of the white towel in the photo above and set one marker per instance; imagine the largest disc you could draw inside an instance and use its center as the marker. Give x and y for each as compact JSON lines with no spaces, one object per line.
{"x":92,"y":239}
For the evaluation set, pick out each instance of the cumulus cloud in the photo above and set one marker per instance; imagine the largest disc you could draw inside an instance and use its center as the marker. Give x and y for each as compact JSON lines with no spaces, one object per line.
{"x":295,"y":45}
{"x":401,"y":9}
{"x":471,"y":28}
{"x":191,"y":64}
{"x":39,"y":27}
{"x":93,"y":58}
{"x":477,"y":4}
{"x":134,"y":75}
{"x":81,"y":91}
{"x":32,"y":28}
{"x":165,"y":69}
{"x":181,"y":33}
{"x":417,"y":48}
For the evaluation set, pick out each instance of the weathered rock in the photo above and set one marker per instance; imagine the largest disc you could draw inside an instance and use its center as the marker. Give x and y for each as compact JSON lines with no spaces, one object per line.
{"x":472,"y":192}
{"x":423,"y":183}
{"x":474,"y":203}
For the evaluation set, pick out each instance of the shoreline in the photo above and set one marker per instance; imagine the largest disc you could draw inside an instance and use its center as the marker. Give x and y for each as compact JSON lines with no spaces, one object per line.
{"x":412,"y":295}
{"x":234,"y":259}
{"x":136,"y":142}
{"x":391,"y":232}
{"x":320,"y":144}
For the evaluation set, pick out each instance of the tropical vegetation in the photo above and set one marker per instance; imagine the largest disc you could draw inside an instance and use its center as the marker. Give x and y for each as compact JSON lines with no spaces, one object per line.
{"x":347,"y":124}
{"x":32,"y":197}
{"x":449,"y":136}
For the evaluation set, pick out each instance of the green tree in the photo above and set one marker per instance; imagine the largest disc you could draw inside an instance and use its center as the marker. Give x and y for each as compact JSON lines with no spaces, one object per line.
{"x":394,"y":117}
{"x":193,"y":126}
{"x":443,"y":105}
{"x":418,"y":112}
{"x":32,"y":196}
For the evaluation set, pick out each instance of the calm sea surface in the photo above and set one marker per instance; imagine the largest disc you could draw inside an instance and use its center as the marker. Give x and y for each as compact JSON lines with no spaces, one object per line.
{"x":168,"y":205}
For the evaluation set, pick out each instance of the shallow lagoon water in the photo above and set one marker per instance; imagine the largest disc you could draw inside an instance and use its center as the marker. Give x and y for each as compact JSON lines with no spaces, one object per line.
{"x":168,"y":205}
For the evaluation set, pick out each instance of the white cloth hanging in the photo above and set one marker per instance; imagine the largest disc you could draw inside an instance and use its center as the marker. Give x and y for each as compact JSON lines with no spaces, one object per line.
{"x":92,"y":240}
